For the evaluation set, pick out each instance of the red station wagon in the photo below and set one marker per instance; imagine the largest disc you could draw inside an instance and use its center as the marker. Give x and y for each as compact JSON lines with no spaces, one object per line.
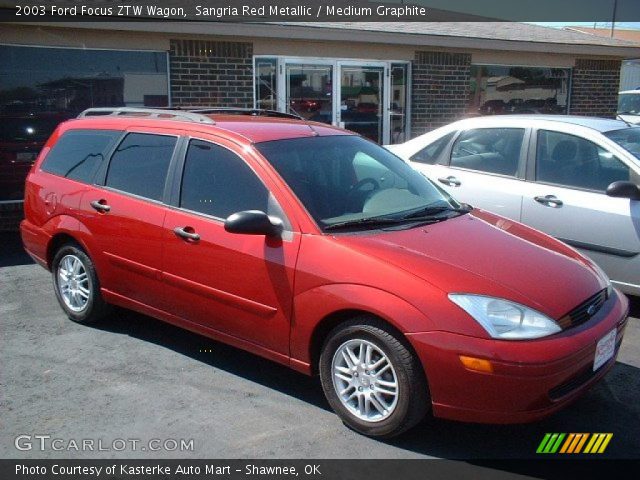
{"x":318,"y":249}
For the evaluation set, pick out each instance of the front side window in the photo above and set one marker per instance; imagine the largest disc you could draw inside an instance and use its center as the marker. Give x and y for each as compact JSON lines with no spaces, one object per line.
{"x":431,"y":153}
{"x":140,"y":164}
{"x":490,"y":150}
{"x":78,"y":153}
{"x":568,"y":160}
{"x":217,"y":182}
{"x":347,"y":178}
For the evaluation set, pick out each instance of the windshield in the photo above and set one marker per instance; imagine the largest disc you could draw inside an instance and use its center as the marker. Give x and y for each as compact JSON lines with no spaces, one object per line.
{"x":347,"y":179}
{"x":629,"y":103}
{"x":627,"y":138}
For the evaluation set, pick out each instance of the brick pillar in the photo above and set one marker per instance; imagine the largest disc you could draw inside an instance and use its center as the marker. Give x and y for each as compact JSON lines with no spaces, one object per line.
{"x":211,"y":73}
{"x":594,"y":87}
{"x":440,"y":89}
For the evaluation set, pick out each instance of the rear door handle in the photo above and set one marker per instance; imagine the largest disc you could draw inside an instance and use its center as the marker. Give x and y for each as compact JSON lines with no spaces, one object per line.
{"x":100,"y":205}
{"x":549,"y":201}
{"x":450,"y":180}
{"x":184,"y":233}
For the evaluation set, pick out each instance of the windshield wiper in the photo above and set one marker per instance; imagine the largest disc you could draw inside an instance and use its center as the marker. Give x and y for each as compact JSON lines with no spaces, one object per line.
{"x":432,"y":211}
{"x":379,"y":222}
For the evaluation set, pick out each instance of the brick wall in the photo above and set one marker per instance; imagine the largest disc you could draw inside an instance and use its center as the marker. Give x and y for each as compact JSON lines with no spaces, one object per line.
{"x":440,"y":89}
{"x":209,"y":73}
{"x":594,"y":89}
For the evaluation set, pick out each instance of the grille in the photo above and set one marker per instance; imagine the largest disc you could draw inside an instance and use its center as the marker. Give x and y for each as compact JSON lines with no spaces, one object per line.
{"x":584,"y":311}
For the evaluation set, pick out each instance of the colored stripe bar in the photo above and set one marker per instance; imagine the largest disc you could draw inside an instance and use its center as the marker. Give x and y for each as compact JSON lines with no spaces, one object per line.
{"x":581,"y":442}
{"x":606,"y":441}
{"x":550,"y":443}
{"x":543,"y":443}
{"x":555,"y":447}
{"x":567,"y":442}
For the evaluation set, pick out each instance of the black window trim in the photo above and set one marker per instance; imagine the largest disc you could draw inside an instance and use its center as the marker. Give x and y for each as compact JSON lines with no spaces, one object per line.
{"x":532,"y":161}
{"x":522,"y":159}
{"x":173,"y":200}
{"x":97,"y":170}
{"x":101,"y":177}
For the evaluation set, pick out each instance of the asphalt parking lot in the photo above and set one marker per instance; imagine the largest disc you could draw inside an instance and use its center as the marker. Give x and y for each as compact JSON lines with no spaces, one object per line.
{"x":137,"y":378}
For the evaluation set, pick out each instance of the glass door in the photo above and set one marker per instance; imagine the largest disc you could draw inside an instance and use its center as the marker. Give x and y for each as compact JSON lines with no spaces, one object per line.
{"x":362,"y":102}
{"x":309,"y":91}
{"x":398,"y":103}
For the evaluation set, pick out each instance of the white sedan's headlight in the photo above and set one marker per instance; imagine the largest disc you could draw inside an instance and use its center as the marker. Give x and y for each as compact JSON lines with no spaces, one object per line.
{"x":504,"y":319}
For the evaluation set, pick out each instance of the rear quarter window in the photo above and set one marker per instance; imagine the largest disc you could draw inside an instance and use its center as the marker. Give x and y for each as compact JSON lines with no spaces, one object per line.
{"x":78,"y":153}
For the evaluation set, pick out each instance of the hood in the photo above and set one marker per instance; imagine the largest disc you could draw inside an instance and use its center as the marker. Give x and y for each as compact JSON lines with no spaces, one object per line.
{"x":486,"y":254}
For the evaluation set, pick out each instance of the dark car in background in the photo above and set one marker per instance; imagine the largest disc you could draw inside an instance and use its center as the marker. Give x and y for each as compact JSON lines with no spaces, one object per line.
{"x":22,"y":136}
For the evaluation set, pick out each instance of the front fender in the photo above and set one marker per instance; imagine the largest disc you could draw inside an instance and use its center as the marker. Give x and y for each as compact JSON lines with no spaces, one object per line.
{"x":314,"y":305}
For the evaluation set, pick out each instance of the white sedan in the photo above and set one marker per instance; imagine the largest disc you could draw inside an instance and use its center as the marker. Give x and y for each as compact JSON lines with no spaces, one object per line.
{"x":576,"y":178}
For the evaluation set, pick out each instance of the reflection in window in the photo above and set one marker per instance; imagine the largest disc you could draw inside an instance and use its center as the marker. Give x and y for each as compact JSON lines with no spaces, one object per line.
{"x":140,"y":164}
{"x":500,"y":89}
{"x":309,"y":91}
{"x":398,"y":103}
{"x":266,"y":87}
{"x":565,"y":159}
{"x":217,"y":182}
{"x":79,"y":153}
{"x":41,"y":87}
{"x":491,"y":150}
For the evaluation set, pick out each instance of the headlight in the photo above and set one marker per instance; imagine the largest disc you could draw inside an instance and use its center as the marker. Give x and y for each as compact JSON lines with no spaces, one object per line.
{"x":504,"y":319}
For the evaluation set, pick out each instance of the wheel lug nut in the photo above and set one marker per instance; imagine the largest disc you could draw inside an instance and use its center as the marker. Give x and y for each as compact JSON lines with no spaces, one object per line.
{"x":355,"y":374}
{"x":371,"y":387}
{"x":360,"y":389}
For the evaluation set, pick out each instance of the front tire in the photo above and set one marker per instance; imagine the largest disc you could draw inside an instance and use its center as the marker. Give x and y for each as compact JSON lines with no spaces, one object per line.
{"x":372,"y":379}
{"x":76,"y":285}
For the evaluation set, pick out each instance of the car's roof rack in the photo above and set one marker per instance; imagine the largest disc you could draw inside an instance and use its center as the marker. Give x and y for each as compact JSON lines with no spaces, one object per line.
{"x":255,"y":112}
{"x":155,"y":113}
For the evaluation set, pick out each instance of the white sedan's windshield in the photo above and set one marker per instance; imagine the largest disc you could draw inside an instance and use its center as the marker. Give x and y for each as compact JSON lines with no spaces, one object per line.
{"x":627,"y":138}
{"x":345,"y":178}
{"x":629,"y":103}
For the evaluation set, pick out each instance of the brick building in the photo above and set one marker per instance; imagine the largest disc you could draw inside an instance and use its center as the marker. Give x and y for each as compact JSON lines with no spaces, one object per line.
{"x":388,"y":81}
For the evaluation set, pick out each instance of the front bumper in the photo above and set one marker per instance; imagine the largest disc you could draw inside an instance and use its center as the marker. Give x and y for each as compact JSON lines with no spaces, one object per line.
{"x":530,"y":380}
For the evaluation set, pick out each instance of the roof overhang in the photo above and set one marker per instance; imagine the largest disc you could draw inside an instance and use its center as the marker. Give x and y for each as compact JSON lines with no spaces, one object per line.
{"x":309,"y":32}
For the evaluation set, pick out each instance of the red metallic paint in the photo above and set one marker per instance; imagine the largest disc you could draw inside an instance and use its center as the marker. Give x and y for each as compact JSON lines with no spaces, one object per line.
{"x":271,"y":296}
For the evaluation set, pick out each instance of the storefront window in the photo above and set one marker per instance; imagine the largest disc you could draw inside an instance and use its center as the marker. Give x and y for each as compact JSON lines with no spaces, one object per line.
{"x":500,"y":89}
{"x":41,"y":87}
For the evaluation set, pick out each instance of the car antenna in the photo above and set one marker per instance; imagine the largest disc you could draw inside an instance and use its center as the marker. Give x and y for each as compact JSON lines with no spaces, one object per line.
{"x":289,"y":107}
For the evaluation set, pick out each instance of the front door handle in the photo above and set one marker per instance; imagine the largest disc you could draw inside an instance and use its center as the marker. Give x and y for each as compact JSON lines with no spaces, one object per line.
{"x":450,"y":180}
{"x":100,"y":205}
{"x":186,"y":234}
{"x":549,"y":201}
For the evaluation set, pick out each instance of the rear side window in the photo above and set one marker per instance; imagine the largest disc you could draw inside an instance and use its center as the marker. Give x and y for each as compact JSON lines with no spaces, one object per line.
{"x":217,"y":182}
{"x":78,"y":153}
{"x":140,"y":164}
{"x":431,"y":153}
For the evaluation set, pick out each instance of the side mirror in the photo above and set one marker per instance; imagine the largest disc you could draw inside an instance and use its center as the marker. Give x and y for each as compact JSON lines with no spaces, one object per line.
{"x":253,"y":222}
{"x":624,"y":189}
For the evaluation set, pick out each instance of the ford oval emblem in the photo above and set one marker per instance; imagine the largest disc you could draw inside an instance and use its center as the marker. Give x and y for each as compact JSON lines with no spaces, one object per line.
{"x":591,"y":310}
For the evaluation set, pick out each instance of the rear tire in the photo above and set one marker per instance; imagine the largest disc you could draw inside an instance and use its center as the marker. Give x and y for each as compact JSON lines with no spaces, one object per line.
{"x":372,"y":379}
{"x":77,"y":286}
